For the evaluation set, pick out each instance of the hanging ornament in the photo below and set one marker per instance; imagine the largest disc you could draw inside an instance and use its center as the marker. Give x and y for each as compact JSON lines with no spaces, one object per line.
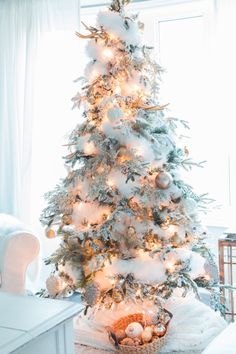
{"x":114,"y":114}
{"x":92,"y":293}
{"x":133,"y":204}
{"x":50,"y":233}
{"x":87,"y":250}
{"x":117,"y":296}
{"x":176,"y":196}
{"x":176,"y":240}
{"x":124,"y":155}
{"x":131,"y":232}
{"x":54,"y":285}
{"x":66,"y":219}
{"x":73,"y":241}
{"x":163,"y":180}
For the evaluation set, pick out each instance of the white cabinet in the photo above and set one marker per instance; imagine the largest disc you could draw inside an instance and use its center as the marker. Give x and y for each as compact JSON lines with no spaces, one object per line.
{"x":29,"y":325}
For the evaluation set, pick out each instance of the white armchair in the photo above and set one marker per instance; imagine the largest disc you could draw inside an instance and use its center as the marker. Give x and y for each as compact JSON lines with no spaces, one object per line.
{"x":18,"y":248}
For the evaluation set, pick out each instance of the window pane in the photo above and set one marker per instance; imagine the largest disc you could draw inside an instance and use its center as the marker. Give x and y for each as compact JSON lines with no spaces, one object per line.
{"x":186,"y":86}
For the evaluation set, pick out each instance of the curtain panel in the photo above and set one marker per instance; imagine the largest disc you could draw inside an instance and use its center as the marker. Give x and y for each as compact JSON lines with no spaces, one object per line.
{"x":22,"y":24}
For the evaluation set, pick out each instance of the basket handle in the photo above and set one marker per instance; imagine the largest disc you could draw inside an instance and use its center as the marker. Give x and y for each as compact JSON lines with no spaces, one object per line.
{"x":170,"y":314}
{"x":113,"y":337}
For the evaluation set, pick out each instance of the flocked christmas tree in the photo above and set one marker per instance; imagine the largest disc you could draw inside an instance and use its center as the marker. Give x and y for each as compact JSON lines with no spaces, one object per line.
{"x":129,"y":224}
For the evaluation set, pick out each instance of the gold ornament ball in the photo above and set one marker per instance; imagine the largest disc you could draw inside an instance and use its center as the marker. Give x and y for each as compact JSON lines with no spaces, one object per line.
{"x":50,"y":233}
{"x":117,"y":296}
{"x":159,"y":330}
{"x":176,"y":240}
{"x":146,"y":336}
{"x":67,"y":219}
{"x":163,"y":180}
{"x":127,"y":341}
{"x":120,"y":334}
{"x":131,"y":231}
{"x":122,"y":151}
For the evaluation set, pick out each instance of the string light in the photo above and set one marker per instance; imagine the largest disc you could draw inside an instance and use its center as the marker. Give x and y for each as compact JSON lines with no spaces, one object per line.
{"x":117,"y":90}
{"x":107,"y":53}
{"x":170,"y":267}
{"x":93,"y":74}
{"x":110,"y":183}
{"x":89,"y":148}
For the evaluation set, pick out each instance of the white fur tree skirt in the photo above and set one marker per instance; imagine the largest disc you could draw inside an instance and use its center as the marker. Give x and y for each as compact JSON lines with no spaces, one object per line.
{"x":83,"y":349}
{"x":193,"y":327}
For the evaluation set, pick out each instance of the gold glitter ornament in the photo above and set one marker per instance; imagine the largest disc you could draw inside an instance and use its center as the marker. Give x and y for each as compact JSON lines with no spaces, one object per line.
{"x":131,"y":231}
{"x":117,"y":296}
{"x":163,"y":180}
{"x":50,"y":233}
{"x":66,"y":219}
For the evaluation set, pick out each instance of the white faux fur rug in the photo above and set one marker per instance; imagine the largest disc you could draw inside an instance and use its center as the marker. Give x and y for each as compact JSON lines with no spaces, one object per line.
{"x":193,"y":327}
{"x":83,"y":349}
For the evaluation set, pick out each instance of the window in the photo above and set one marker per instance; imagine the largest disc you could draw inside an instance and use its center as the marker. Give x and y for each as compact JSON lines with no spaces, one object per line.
{"x":181,"y":35}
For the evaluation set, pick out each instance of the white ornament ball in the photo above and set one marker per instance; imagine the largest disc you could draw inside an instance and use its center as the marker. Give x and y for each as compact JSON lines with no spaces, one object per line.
{"x":163,"y":180}
{"x":54,"y":285}
{"x":114,"y":114}
{"x":134,"y":329}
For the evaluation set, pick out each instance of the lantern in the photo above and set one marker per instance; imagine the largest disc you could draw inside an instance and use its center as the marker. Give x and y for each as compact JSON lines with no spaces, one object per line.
{"x":227,"y":268}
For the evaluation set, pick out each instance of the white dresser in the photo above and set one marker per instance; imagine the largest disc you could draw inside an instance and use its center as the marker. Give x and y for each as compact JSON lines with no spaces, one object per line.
{"x":30,"y":325}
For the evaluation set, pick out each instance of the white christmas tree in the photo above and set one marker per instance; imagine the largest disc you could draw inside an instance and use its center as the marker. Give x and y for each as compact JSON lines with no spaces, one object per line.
{"x":129,"y":223}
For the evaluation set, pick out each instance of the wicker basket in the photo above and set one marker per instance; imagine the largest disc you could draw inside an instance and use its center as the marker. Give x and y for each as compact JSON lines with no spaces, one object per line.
{"x":149,"y":348}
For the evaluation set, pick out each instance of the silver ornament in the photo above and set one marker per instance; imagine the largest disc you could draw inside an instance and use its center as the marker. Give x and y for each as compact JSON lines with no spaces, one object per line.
{"x":114,"y":114}
{"x":163,"y":180}
{"x":159,"y":329}
{"x":54,"y":285}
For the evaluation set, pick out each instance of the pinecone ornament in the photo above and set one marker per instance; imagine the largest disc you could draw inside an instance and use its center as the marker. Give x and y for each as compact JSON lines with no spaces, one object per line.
{"x":54,"y":285}
{"x":92,"y":294}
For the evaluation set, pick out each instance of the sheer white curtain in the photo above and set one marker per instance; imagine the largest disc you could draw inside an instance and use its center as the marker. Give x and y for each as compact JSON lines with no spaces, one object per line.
{"x":22,"y":24}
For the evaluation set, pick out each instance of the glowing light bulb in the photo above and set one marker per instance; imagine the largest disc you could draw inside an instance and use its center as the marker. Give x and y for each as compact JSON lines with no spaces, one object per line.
{"x":89,"y":148}
{"x":112,"y":36}
{"x":93,"y":74}
{"x":171,"y":230}
{"x":110,"y":183}
{"x":107,"y":53}
{"x":117,"y":90}
{"x":170,"y":267}
{"x":207,"y":277}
